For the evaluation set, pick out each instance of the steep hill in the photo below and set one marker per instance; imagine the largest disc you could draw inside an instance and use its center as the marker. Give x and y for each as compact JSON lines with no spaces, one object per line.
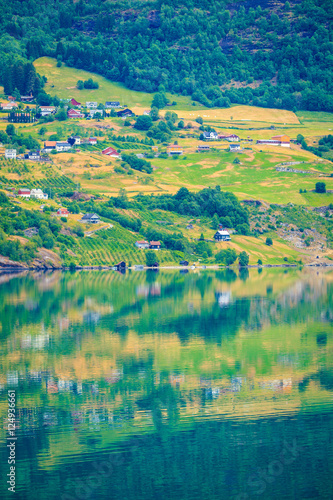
{"x":262,"y":52}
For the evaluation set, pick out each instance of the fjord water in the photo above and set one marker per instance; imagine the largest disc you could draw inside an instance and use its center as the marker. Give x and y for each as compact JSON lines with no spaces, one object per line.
{"x":169,"y":385}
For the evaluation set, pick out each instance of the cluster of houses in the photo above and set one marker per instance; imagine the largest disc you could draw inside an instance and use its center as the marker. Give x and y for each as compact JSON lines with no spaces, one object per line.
{"x":95,"y":110}
{"x":152,"y":245}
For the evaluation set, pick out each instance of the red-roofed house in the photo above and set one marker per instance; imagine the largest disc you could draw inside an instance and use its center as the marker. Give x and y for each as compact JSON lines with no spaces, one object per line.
{"x":92,"y":140}
{"x":110,"y":152}
{"x":155,"y":245}
{"x":73,"y":102}
{"x":74,"y":113}
{"x":62,"y":212}
{"x":25,"y":193}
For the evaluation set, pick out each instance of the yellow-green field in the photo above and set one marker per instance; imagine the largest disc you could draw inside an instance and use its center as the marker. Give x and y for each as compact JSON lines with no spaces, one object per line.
{"x":243,"y":113}
{"x":62,"y":82}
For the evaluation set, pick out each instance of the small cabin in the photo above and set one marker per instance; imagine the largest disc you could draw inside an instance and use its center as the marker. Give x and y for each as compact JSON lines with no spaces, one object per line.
{"x":121,"y":266}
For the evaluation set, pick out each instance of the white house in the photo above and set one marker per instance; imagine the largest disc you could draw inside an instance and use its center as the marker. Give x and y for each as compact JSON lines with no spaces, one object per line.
{"x":222,"y":235}
{"x":63,"y":146}
{"x":38,"y":193}
{"x":94,"y":112}
{"x":232,"y":138}
{"x":10,"y":153}
{"x":210,"y":136}
{"x":234,"y":147}
{"x":91,"y":105}
{"x":8,"y":106}
{"x":142,"y":244}
{"x":47,"y":110}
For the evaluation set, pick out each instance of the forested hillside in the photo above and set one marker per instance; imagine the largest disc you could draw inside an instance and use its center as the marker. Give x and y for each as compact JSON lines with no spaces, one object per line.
{"x":277,"y":54}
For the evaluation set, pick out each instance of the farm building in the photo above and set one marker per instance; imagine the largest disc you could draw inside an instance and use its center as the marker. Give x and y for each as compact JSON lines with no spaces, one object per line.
{"x":110,"y":152}
{"x":10,"y":154}
{"x":92,"y":140}
{"x":91,"y":105}
{"x":90,"y":219}
{"x":222,"y":235}
{"x":74,"y":102}
{"x":125,"y":112}
{"x":155,"y":245}
{"x":203,"y":147}
{"x":62,"y":212}
{"x":74,"y":113}
{"x":49,"y":145}
{"x":25,"y":193}
{"x":283,"y":139}
{"x":274,"y":142}
{"x":174,"y":149}
{"x":142,"y":244}
{"x":112,"y":104}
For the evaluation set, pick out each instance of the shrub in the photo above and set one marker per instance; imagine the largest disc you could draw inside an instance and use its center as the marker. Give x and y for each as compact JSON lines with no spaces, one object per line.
{"x":320,"y":187}
{"x":243,"y":259}
{"x":269,"y":241}
{"x":228,"y":256}
{"x":151,"y":258}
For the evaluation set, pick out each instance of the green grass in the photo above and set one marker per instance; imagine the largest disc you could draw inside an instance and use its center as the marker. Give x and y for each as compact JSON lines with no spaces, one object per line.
{"x":253,"y":178}
{"x":62,"y":82}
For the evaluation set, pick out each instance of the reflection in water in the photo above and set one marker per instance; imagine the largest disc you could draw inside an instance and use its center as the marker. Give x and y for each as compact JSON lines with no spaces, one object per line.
{"x":166,"y":385}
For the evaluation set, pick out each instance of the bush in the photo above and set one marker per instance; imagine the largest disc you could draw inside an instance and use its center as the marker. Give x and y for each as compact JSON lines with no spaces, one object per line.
{"x":90,"y":84}
{"x":269,"y":242}
{"x":243,"y":259}
{"x":143,"y":122}
{"x":151,"y":258}
{"x":320,"y":187}
{"x":259,"y":262}
{"x":227,"y":257}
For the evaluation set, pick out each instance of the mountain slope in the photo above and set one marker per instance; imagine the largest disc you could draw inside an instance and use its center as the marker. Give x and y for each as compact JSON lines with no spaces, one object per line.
{"x":277,"y":54}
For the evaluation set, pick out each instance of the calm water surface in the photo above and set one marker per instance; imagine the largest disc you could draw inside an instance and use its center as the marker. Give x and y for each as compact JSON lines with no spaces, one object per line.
{"x":169,"y":385}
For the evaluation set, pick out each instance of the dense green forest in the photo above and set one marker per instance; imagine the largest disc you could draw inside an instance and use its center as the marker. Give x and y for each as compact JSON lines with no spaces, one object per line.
{"x":279,"y":53}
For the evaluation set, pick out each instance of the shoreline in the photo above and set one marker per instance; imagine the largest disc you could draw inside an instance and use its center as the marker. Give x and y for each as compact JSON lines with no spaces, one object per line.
{"x":19,"y":269}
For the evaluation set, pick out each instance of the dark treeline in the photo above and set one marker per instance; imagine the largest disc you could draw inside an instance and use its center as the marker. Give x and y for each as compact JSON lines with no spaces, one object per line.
{"x":191,"y":48}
